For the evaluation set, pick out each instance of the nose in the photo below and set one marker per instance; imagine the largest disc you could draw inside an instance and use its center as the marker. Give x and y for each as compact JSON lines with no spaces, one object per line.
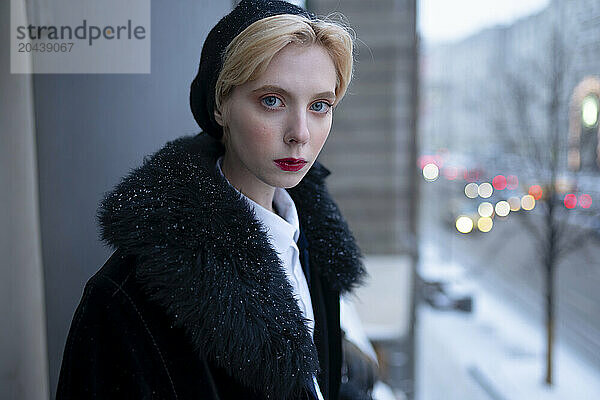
{"x":297,"y":128}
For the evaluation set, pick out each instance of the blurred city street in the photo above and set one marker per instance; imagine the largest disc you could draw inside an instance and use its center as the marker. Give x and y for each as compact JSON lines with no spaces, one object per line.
{"x":507,"y":257}
{"x":497,"y":351}
{"x":509,"y":216}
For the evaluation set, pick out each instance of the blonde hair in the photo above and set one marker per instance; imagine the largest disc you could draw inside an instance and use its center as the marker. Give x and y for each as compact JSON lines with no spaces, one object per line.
{"x":249,"y":53}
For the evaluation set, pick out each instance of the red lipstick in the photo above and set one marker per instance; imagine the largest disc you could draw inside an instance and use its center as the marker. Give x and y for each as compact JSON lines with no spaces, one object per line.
{"x":291,"y":164}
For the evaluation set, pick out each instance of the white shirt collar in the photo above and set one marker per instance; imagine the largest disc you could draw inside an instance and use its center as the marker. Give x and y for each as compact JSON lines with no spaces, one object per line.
{"x":283,"y":231}
{"x":283,"y":228}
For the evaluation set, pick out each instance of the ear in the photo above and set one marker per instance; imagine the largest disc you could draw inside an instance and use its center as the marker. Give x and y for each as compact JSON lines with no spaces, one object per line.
{"x":218,"y":117}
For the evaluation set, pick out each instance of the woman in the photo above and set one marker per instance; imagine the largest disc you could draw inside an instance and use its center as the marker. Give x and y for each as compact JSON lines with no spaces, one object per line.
{"x":230,"y":255}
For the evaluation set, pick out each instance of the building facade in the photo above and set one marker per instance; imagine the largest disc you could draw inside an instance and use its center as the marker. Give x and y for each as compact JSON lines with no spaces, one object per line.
{"x":465,"y":82}
{"x":372,"y":145}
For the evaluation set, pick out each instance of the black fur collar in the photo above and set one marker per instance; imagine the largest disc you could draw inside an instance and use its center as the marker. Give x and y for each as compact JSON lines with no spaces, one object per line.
{"x":206,"y":261}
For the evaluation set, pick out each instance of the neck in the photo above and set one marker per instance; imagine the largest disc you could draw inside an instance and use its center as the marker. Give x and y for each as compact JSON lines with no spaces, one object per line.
{"x":248,"y":184}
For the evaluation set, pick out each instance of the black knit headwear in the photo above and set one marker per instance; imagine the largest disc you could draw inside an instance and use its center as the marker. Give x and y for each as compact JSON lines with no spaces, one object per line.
{"x":202,"y":90}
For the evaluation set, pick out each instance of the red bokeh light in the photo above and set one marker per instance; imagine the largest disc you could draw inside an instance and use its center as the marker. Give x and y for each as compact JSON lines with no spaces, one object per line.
{"x":570,"y":200}
{"x":512,"y":182}
{"x":585,"y":201}
{"x":536,"y":191}
{"x":499,"y":182}
{"x":429,"y":159}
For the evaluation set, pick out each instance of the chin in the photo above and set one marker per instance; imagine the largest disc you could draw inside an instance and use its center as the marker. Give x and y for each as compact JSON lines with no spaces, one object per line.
{"x":288,"y":182}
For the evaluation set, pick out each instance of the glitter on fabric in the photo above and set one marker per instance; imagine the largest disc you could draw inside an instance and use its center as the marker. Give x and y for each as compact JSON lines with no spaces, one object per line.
{"x":205,"y":259}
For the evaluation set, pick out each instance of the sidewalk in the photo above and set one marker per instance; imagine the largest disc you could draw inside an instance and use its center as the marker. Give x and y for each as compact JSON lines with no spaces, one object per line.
{"x":497,"y":352}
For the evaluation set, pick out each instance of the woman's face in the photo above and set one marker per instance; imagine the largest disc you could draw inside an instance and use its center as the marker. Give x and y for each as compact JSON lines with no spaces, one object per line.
{"x":279,"y":122}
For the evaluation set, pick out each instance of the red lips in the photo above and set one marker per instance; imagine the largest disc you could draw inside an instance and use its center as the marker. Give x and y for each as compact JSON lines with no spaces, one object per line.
{"x":291,"y":164}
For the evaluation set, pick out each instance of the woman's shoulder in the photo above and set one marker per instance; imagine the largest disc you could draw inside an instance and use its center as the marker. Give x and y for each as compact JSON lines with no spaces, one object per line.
{"x":112,"y":302}
{"x":109,"y":292}
{"x":114,"y":273}
{"x":110,"y":333}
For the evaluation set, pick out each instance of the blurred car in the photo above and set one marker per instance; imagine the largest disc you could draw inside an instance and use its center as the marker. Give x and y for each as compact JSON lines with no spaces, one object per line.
{"x":440,"y":296}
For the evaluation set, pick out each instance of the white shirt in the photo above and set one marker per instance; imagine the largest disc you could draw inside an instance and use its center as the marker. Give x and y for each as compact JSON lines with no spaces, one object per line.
{"x":283,"y":231}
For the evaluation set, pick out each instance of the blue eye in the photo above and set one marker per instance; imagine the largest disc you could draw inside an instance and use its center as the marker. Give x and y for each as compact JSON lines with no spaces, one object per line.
{"x":320,"y":107}
{"x":270,"y":101}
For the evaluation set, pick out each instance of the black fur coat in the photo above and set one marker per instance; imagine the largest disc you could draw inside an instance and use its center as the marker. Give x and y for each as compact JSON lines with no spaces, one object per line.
{"x":194,"y":303}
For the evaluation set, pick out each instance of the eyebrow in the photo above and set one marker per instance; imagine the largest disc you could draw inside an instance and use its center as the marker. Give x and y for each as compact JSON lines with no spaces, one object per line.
{"x":329,"y":95}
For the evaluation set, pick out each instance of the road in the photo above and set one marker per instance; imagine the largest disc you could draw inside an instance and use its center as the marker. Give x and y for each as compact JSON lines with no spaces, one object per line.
{"x":508,"y":259}
{"x":496,"y":352}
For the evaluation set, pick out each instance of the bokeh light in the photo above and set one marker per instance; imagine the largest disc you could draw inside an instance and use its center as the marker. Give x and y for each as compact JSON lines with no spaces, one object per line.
{"x":570,"y":200}
{"x":512,"y":182}
{"x":471,"y":190}
{"x":585,"y":201}
{"x":536,"y":191}
{"x":499,"y":182}
{"x":431,"y":172}
{"x":564,"y":185}
{"x":429,"y":159}
{"x":485,"y":224}
{"x":589,"y":111}
{"x":528,"y":202}
{"x":485,"y":209}
{"x":485,"y":190}
{"x":464,"y":224}
{"x":502,"y":208}
{"x":515,"y":203}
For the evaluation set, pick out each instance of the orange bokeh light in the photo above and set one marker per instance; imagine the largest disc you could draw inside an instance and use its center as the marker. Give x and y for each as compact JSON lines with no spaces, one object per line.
{"x":536,"y":191}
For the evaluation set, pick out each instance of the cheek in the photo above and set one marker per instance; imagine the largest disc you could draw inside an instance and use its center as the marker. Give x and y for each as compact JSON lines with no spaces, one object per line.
{"x":253,"y":132}
{"x":321,"y":129}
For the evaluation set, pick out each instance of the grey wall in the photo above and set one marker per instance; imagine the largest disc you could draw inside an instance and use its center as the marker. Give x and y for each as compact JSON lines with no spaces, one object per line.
{"x":23,"y":357}
{"x":91,"y":129}
{"x":371,"y":150}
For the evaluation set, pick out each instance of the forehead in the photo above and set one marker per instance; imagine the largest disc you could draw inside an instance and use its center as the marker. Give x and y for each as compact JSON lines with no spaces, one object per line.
{"x":301,"y":69}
